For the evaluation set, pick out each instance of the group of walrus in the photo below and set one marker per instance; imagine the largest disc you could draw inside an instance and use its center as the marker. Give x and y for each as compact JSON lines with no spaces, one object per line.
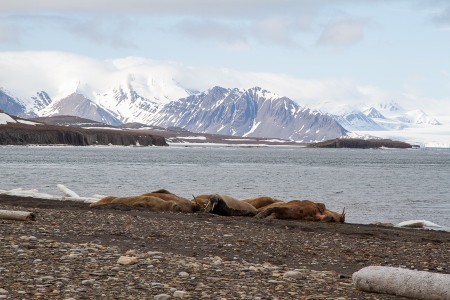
{"x":260,"y":207}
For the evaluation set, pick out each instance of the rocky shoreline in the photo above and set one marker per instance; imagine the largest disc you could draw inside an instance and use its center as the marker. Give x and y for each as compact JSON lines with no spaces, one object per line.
{"x":72,"y":251}
{"x":22,"y":134}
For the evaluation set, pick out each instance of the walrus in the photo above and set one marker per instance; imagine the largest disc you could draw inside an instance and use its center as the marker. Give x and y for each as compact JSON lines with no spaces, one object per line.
{"x":300,"y":210}
{"x":104,"y":200}
{"x":228,"y":206}
{"x":260,"y":202}
{"x":184,"y":204}
{"x":201,"y":200}
{"x":148,"y":202}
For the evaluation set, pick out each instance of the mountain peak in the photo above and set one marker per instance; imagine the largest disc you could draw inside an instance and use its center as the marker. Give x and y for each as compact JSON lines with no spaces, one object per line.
{"x":372,"y":112}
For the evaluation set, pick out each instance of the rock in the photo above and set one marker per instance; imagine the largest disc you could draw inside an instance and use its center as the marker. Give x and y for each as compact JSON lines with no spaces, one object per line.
{"x":183,"y":274}
{"x":88,"y":282}
{"x":162,"y":297}
{"x":127,"y":260}
{"x":293,"y":275}
{"x":3,"y":291}
{"x":179,"y":294}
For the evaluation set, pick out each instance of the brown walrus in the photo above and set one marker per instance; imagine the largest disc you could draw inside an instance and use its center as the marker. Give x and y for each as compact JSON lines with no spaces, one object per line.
{"x":104,"y":200}
{"x":260,"y":202}
{"x":184,"y":204}
{"x":160,"y":200}
{"x":300,"y":210}
{"x":148,"y":202}
{"x":228,"y":206}
{"x":201,"y":200}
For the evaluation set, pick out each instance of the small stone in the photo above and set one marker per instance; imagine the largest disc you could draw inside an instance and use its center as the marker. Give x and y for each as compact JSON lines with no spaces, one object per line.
{"x":179,"y":294}
{"x":183,"y":274}
{"x":3,"y":291}
{"x":88,"y":282}
{"x":293,"y":275}
{"x":127,"y":260}
{"x":162,"y":297}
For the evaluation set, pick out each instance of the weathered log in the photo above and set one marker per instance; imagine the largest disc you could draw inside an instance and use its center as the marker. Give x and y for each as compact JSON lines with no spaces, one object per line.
{"x":17,"y":215}
{"x":403,"y":282}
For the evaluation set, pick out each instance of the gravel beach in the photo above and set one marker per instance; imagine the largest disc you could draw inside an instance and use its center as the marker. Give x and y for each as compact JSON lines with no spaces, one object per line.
{"x":72,"y":251}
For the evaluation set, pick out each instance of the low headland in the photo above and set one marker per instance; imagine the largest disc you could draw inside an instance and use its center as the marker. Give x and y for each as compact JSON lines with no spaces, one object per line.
{"x":361,"y":144}
{"x":75,"y":131}
{"x":73,"y":251}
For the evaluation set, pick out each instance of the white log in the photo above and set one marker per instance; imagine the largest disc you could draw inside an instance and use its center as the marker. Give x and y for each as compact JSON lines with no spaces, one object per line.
{"x":403,"y":282}
{"x":17,"y":215}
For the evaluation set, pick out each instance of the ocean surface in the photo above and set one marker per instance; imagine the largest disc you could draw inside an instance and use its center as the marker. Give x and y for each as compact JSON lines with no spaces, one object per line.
{"x":373,"y":185}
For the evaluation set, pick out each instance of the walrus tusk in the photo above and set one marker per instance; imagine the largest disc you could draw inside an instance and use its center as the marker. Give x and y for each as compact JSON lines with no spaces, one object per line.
{"x":207,"y":207}
{"x":17,"y":215}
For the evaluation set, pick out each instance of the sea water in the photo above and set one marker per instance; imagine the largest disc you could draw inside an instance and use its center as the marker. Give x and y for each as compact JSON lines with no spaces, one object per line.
{"x":373,"y":185}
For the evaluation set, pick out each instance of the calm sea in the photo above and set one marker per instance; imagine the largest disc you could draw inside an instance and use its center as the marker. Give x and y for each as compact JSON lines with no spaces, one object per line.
{"x":373,"y":185}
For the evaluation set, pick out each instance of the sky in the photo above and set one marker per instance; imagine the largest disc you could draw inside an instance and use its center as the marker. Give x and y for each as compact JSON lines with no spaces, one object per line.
{"x":393,"y":49}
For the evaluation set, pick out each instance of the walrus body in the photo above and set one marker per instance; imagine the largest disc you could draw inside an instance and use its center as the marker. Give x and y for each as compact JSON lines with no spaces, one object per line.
{"x":184,"y":204}
{"x":261,"y":202}
{"x":148,"y":202}
{"x":161,"y":200}
{"x":104,"y":200}
{"x":201,"y":200}
{"x":228,"y":206}
{"x":300,"y":210}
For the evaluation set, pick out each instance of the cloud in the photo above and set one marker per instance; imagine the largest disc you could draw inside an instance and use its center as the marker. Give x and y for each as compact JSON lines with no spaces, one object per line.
{"x":442,"y":18}
{"x":280,"y":30}
{"x":97,"y":29}
{"x":228,"y":8}
{"x":102,"y":31}
{"x":9,"y":34}
{"x":231,"y":35}
{"x":342,"y":33}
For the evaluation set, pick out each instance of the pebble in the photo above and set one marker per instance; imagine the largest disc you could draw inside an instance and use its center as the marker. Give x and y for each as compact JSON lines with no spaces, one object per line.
{"x":179,"y":294}
{"x":127,"y":260}
{"x":88,"y":282}
{"x":183,"y":274}
{"x":294,"y":275}
{"x":3,"y":291}
{"x":162,"y":297}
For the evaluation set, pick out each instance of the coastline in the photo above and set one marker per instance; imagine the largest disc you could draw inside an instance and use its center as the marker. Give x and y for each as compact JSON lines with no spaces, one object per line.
{"x":74,"y":251}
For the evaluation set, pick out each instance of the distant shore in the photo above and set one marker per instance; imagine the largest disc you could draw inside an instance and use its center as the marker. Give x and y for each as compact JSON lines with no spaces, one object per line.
{"x":74,"y":251}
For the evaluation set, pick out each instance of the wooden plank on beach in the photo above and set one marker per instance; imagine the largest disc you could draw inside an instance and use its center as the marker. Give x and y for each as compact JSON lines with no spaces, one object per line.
{"x":17,"y":215}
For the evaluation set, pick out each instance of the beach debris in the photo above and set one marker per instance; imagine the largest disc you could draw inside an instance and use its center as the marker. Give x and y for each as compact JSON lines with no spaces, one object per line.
{"x":403,"y":282}
{"x":421,"y":224}
{"x":66,"y":191}
{"x":17,"y":215}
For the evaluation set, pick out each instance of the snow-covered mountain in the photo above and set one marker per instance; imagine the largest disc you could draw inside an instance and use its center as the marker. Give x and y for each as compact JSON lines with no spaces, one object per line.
{"x":377,"y":117}
{"x":78,"y":105}
{"x":251,"y":112}
{"x":134,"y":89}
{"x":357,"y":120}
{"x":12,"y":105}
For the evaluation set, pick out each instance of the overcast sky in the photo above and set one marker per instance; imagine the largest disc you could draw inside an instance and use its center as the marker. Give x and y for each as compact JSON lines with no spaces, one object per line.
{"x":399,"y":47}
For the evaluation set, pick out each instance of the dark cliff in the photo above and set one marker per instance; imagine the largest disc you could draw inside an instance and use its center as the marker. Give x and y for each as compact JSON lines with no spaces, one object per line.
{"x":360,"y":143}
{"x":19,"y":134}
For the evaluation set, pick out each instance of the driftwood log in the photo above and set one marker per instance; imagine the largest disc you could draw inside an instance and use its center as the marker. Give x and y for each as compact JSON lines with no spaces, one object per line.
{"x":17,"y":215}
{"x":403,"y":282}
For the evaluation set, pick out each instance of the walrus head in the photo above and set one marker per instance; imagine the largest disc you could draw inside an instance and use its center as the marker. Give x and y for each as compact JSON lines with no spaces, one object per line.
{"x":212,"y":202}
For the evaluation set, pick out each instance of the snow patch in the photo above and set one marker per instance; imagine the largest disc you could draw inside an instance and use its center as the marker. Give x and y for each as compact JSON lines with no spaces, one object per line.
{"x":4,"y":118}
